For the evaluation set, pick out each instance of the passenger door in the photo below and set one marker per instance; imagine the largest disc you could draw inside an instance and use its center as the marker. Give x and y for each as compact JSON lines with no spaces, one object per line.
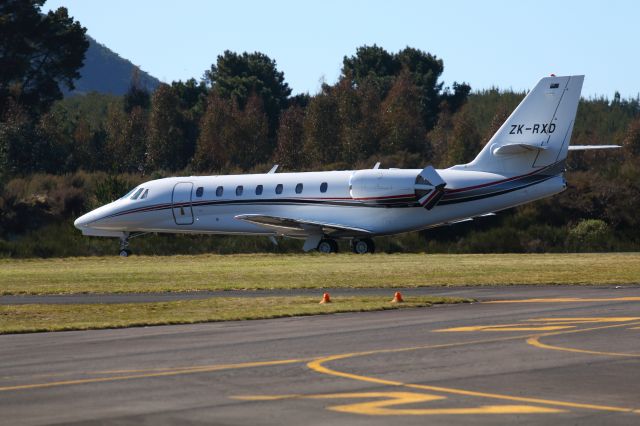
{"x":181,"y":199}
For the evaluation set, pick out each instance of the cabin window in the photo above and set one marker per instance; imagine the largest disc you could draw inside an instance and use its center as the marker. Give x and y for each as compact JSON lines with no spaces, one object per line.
{"x":323,"y":187}
{"x":199,"y":191}
{"x":239,"y":190}
{"x":144,"y":194}
{"x":219,"y":191}
{"x":137,"y":194}
{"x":279,"y":188}
{"x":259,"y":190}
{"x":298,"y":188}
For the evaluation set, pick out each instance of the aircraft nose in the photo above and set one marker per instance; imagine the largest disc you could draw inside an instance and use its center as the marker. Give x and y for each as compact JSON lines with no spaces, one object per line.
{"x":81,"y":222}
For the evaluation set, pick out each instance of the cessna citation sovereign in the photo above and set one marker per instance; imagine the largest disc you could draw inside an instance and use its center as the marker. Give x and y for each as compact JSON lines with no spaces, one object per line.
{"x":524,"y":161}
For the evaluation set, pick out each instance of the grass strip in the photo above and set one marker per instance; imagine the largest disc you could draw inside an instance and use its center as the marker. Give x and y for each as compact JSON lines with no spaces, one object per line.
{"x":52,"y":317}
{"x":272,"y":271}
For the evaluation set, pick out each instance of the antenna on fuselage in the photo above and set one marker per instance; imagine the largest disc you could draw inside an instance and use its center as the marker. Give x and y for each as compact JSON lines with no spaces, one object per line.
{"x":273,"y":169}
{"x":377,"y":166}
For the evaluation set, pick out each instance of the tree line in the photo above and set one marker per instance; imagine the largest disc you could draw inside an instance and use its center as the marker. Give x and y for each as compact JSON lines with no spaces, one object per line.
{"x":60,"y":157}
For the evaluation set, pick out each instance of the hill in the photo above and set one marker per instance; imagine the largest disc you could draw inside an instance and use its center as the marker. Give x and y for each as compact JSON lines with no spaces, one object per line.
{"x":104,"y":71}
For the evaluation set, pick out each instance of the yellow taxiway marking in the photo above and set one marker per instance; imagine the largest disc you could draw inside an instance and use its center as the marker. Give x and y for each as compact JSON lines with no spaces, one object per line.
{"x":537,"y":324}
{"x":318,"y":366}
{"x":569,"y":300}
{"x":508,"y":327}
{"x":175,"y":372}
{"x":585,"y":320}
{"x":535,"y":341}
{"x":386,"y":403}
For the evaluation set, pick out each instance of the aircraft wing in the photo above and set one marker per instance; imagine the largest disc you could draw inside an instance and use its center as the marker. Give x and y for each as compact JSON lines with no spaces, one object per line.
{"x":300,"y":227}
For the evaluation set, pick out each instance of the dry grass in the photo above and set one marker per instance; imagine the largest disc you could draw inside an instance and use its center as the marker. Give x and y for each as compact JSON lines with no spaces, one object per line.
{"x":268,"y":271}
{"x":49,"y":317}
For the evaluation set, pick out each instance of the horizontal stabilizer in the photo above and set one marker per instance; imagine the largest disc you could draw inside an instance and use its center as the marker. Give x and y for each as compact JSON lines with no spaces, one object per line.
{"x":300,"y":227}
{"x":590,"y":147}
{"x":517,"y":148}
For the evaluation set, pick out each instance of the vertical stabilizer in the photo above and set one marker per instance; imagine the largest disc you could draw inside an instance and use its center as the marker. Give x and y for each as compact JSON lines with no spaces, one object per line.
{"x":538,"y":131}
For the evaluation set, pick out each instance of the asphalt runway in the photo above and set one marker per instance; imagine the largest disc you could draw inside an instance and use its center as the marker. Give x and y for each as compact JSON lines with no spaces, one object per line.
{"x":547,"y":355}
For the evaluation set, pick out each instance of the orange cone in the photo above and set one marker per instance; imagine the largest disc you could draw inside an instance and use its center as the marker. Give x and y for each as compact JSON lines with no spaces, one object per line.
{"x":397,"y":298}
{"x":326,"y":298}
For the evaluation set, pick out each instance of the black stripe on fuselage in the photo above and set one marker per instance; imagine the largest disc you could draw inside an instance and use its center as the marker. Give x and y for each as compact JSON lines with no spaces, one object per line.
{"x":451,"y":197}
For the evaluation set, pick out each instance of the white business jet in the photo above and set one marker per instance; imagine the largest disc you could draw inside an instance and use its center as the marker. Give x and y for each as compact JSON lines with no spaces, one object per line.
{"x":524,"y":161}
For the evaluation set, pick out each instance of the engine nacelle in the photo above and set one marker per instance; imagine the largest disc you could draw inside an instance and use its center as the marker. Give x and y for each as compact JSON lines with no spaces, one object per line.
{"x":397,"y":187}
{"x":382,"y":184}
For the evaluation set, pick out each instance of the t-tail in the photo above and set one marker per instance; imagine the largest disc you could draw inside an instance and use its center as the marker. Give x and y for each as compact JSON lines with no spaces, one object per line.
{"x":537,"y":134}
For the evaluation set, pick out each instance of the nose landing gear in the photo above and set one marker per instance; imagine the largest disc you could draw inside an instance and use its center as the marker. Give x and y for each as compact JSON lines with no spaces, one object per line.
{"x":124,"y":244}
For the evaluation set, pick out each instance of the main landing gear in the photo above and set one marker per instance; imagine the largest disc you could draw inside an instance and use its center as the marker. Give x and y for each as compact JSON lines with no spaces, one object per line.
{"x":363,"y":246}
{"x":358,"y":246}
{"x":327,"y":245}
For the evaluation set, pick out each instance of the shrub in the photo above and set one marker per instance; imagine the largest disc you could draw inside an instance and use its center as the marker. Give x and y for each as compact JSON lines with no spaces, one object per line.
{"x":589,"y":235}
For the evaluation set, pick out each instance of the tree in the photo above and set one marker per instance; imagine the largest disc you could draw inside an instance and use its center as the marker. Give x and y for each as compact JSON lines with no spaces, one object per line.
{"x":167,"y":146}
{"x":238,"y":77}
{"x":322,"y":130}
{"x":247,"y":134}
{"x":464,"y":143}
{"x":370,"y":62}
{"x":289,"y":152}
{"x":17,"y":136}
{"x":126,"y":139}
{"x":373,"y":63}
{"x":212,"y":153}
{"x":631,"y":142}
{"x":37,"y":53}
{"x":137,"y":95}
{"x":403,"y":128}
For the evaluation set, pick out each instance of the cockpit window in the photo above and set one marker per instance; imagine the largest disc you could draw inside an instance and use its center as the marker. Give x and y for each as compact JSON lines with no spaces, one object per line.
{"x":144,"y":194}
{"x":128,"y":193}
{"x":137,"y":194}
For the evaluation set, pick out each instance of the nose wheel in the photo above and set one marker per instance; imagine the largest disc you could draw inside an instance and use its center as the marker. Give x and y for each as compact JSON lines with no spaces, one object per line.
{"x":124,"y":244}
{"x":363,"y":246}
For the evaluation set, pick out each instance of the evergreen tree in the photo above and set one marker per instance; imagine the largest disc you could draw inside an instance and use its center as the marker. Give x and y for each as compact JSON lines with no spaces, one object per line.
{"x":38,"y":52}
{"x":239,"y":76}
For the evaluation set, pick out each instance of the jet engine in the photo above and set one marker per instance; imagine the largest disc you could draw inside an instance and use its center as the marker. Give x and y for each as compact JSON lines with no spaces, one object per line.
{"x":397,"y":187}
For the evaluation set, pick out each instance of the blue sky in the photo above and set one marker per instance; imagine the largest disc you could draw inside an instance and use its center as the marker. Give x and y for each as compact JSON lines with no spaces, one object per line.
{"x":506,"y":44}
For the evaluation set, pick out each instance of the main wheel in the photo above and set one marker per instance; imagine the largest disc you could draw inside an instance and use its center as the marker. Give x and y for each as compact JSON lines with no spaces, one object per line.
{"x":327,"y":246}
{"x":125,"y":253}
{"x":363,"y":246}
